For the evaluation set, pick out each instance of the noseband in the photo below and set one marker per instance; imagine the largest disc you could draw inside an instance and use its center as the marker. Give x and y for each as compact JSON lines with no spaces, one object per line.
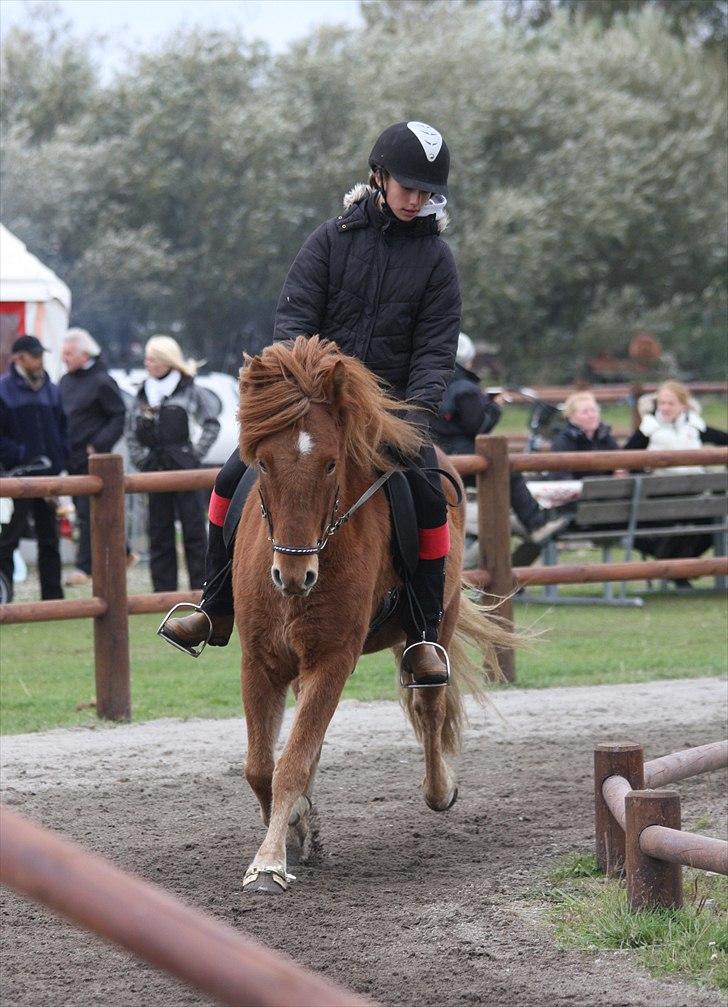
{"x":332,"y":525}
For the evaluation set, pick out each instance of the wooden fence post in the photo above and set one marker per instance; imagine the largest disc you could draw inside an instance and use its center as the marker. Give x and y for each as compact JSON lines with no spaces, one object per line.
{"x":627,"y":760}
{"x":108,"y":571}
{"x":494,"y":533}
{"x":651,"y":883}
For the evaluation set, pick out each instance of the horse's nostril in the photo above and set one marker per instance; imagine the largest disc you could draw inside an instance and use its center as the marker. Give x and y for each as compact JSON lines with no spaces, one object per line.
{"x":311,"y":578}
{"x":276,"y":575}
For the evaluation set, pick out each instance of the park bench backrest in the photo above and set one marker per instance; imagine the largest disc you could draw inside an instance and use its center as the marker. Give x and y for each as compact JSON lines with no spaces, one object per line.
{"x":679,"y":497}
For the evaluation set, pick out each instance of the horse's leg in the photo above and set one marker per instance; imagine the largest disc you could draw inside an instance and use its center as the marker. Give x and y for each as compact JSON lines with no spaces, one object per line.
{"x":318,"y":696}
{"x":264,"y":704}
{"x":299,"y":821}
{"x":430,"y":708}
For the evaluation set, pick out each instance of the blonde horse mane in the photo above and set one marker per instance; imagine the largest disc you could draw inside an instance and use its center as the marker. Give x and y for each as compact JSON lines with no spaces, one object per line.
{"x":279,"y":386}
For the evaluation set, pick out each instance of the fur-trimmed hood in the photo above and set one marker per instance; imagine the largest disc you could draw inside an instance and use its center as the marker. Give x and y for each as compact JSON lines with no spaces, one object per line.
{"x":361,"y":191}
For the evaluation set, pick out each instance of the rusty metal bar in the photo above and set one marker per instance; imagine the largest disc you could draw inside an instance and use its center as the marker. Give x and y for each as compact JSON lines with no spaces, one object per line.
{"x":169,"y":482}
{"x":607,"y":461}
{"x":677,"y":847}
{"x":689,"y":762}
{"x":143,"y":604}
{"x":49,"y":611}
{"x":615,"y":790}
{"x":155,"y":926}
{"x":49,"y":486}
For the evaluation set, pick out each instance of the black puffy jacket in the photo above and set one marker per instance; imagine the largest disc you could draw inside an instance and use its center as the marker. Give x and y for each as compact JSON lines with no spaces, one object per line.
{"x":573,"y":438}
{"x":95,"y":410}
{"x":385,"y":291}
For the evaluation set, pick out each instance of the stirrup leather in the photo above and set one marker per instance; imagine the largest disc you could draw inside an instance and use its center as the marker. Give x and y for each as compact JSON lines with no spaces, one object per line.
{"x":406,"y":669}
{"x":191,"y":651}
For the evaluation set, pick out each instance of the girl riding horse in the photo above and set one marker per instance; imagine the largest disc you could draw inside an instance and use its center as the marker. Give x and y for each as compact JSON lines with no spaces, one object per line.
{"x":380,"y":281}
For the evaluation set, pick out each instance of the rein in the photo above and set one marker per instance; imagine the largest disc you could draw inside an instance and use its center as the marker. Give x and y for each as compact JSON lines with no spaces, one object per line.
{"x":333,"y":524}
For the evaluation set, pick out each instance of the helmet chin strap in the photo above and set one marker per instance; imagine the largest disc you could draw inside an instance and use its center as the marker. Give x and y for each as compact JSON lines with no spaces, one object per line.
{"x":387,"y":209}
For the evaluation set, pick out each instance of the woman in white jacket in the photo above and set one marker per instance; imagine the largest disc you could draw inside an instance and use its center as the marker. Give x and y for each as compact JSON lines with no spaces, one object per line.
{"x":672,"y":422}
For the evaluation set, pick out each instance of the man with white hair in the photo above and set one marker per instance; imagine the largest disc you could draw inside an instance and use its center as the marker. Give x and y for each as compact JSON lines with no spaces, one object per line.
{"x":96,"y":412}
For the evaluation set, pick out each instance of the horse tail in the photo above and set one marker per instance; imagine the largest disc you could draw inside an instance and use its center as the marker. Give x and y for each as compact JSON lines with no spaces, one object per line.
{"x":473,"y":650}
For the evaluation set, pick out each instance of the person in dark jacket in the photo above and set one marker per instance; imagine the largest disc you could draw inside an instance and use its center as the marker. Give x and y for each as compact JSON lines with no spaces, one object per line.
{"x":96,"y":413}
{"x":159,"y":437}
{"x":465,"y":412}
{"x":380,"y":281}
{"x":32,"y":424}
{"x":584,"y":430}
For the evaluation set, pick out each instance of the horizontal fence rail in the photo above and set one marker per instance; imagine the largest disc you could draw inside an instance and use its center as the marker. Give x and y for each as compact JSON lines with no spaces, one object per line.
{"x":611,"y":392}
{"x":608,"y":461}
{"x":154,"y":925}
{"x":638,"y":830}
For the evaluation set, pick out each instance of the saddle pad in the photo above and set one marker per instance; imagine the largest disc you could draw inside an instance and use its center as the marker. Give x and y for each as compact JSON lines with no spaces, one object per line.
{"x":404,"y":521}
{"x":241,"y":494}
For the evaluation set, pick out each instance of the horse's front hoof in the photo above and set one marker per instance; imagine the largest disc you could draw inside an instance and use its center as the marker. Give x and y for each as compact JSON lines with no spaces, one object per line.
{"x":262,"y":882}
{"x":442,"y":807}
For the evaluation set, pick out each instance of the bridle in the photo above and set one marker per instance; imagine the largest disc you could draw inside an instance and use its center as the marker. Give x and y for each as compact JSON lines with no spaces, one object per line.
{"x":333,"y":524}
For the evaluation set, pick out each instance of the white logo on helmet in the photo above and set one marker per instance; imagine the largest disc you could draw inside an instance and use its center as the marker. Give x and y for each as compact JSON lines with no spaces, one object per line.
{"x":429,"y":138}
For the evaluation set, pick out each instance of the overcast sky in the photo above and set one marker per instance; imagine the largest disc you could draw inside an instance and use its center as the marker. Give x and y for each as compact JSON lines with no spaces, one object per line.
{"x":144,"y":22}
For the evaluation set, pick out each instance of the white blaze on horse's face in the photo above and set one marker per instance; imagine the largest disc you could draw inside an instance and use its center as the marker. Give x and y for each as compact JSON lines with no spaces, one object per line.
{"x":305,"y":443}
{"x":300,"y":483}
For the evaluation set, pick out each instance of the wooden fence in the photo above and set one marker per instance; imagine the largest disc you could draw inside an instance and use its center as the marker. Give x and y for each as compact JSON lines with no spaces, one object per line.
{"x":155,"y":926}
{"x":638,"y":828}
{"x":110,"y":606}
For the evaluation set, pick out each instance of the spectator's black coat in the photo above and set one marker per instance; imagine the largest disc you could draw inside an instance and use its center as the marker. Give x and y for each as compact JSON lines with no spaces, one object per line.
{"x":464,"y":412}
{"x":573,"y":438}
{"x":385,"y":291}
{"x":95,"y":410}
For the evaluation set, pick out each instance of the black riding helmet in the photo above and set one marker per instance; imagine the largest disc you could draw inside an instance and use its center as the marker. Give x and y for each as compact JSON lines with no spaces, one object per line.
{"x":415,"y":155}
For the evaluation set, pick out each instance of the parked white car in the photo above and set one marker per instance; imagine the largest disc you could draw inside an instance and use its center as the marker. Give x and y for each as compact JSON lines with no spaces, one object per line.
{"x":223,"y":392}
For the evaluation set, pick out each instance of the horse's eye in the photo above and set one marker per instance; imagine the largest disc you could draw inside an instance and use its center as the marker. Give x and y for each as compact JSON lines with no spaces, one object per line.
{"x":331,"y":467}
{"x":262,"y":466}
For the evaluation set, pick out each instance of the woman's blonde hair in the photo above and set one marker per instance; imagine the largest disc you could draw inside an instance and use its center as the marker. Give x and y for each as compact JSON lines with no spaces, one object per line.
{"x":167,"y":351}
{"x":678,"y":389}
{"x":572,"y":402}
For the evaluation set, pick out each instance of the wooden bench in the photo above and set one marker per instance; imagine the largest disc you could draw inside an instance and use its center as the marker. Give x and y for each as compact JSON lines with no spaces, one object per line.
{"x":617,"y":512}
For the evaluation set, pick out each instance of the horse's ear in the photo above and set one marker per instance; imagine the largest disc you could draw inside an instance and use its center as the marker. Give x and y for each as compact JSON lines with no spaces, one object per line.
{"x":337,"y":385}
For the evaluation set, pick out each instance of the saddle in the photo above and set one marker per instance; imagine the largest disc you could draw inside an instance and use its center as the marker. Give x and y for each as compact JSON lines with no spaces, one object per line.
{"x":405,"y":539}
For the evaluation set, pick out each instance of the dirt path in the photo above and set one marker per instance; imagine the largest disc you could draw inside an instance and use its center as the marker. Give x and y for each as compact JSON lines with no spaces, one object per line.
{"x":410,"y":907}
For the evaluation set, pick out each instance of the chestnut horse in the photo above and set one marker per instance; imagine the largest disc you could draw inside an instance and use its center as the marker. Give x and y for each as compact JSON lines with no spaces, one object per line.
{"x":316,"y":425}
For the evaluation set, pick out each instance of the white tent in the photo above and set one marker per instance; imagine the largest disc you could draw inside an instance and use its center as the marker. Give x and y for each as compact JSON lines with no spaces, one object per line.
{"x":33,"y":301}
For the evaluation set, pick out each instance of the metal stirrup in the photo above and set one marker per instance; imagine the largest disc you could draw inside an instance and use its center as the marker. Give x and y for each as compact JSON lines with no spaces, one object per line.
{"x":190,"y":651}
{"x":405,"y":670}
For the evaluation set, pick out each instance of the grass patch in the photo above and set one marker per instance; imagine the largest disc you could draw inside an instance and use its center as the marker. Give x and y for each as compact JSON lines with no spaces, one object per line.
{"x":46,"y":669}
{"x":591,"y":914}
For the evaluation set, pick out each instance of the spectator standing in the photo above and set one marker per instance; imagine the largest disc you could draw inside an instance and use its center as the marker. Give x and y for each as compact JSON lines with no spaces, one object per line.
{"x":32,"y":423}
{"x":584,"y":430}
{"x":96,"y":412}
{"x":160,"y":438}
{"x":466,"y":411}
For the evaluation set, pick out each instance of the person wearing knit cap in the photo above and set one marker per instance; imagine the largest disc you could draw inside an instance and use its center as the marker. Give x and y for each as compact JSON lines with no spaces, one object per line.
{"x":171,"y":426}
